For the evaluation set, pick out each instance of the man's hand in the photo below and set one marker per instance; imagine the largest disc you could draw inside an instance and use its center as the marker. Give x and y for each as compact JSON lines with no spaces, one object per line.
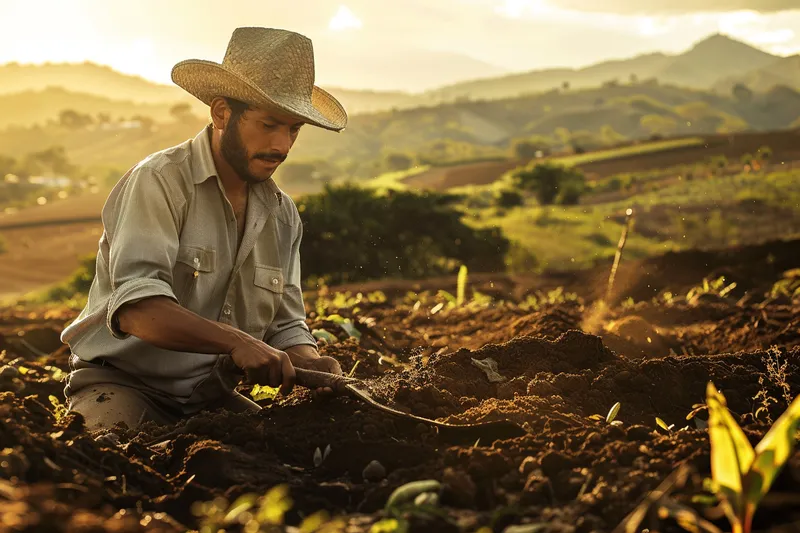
{"x":263,"y":364}
{"x":307,"y":357}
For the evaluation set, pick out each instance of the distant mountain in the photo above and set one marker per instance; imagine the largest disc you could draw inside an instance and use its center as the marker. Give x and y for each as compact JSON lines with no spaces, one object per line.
{"x":784,"y":71}
{"x":716,"y":62}
{"x":40,"y":106}
{"x":712,"y":59}
{"x":88,"y":78}
{"x":700,"y":67}
{"x":85,"y":80}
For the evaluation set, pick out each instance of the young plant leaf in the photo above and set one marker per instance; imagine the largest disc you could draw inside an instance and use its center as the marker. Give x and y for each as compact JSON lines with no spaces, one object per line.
{"x":663,"y":425}
{"x":773,"y":451}
{"x":324,"y":336}
{"x":612,"y":413}
{"x":350,"y":329}
{"x":461,"y":288}
{"x":731,"y":452}
{"x":263,"y":392}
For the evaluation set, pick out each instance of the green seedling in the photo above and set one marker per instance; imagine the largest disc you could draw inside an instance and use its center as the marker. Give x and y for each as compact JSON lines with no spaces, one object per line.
{"x":716,"y":287}
{"x":663,"y":425}
{"x":461,"y":289}
{"x":59,"y":409}
{"x":324,"y":336}
{"x":611,"y":417}
{"x":249,"y":512}
{"x":741,"y":476}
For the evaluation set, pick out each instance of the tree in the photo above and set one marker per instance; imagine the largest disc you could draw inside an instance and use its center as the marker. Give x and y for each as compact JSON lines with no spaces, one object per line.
{"x":74,"y":120}
{"x":634,"y":79}
{"x":353,"y":234}
{"x":397,"y":161}
{"x":54,"y":159}
{"x":181,"y":112}
{"x":742,"y":93}
{"x":507,"y":199}
{"x":525,"y":150}
{"x":145,"y":123}
{"x":547,"y":180}
{"x":8,"y":165}
{"x":610,"y":137}
{"x":565,"y":85}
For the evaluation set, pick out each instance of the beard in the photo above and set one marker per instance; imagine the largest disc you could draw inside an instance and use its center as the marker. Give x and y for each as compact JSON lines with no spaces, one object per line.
{"x":235,"y":153}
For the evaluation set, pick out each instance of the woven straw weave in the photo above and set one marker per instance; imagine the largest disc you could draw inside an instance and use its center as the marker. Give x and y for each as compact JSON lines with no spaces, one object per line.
{"x":265,"y":67}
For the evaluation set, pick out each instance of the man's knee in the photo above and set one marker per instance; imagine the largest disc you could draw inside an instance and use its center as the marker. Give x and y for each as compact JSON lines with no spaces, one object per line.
{"x":105,"y":405}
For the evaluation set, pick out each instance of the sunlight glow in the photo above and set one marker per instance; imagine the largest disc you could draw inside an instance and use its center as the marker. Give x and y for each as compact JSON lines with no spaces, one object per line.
{"x":344,"y":20}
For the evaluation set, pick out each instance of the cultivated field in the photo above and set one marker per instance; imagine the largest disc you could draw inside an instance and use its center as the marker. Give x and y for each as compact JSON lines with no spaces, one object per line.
{"x":636,"y":158}
{"x":561,"y":361}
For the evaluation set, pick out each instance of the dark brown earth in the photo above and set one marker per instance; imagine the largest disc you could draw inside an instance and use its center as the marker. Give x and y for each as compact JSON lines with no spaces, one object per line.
{"x":562,"y":362}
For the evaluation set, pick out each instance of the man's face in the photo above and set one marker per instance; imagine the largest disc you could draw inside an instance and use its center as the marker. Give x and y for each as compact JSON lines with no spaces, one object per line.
{"x":258,"y":142}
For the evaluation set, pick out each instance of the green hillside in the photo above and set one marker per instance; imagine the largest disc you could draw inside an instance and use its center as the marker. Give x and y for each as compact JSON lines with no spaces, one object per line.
{"x":472,"y":130}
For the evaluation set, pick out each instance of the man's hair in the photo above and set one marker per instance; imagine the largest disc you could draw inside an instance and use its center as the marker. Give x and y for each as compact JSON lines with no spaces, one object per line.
{"x":237,"y":108}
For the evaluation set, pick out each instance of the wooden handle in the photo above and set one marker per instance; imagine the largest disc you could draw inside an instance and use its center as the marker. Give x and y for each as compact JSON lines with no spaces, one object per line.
{"x":312,"y":379}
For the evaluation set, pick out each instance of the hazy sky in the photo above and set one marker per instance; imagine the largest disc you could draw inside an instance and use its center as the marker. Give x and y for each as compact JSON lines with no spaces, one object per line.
{"x":386,"y":44}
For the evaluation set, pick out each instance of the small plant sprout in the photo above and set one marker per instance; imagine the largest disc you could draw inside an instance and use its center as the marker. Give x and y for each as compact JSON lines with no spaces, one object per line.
{"x":663,"y":425}
{"x":611,"y":417}
{"x":461,"y":288}
{"x":741,"y":476}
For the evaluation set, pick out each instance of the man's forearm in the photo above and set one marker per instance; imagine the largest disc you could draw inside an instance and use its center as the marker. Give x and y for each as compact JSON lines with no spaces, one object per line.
{"x":302,"y":350}
{"x":162,"y":322}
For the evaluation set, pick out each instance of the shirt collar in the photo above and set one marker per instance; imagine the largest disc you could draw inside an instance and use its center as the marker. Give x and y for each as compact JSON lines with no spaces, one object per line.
{"x":203,"y":168}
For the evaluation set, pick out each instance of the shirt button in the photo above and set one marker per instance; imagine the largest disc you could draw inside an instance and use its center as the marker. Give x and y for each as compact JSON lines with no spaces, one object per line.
{"x":274,"y":281}
{"x":226,"y":311}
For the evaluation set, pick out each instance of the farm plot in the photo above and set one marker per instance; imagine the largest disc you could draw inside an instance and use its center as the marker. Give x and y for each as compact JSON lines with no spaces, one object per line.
{"x":561,"y":360}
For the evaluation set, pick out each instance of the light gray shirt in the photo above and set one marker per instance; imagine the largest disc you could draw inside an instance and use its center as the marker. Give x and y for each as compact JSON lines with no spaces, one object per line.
{"x":169,"y":230}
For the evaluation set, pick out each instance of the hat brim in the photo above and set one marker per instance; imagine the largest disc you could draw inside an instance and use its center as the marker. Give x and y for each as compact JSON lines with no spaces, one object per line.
{"x":206,"y":80}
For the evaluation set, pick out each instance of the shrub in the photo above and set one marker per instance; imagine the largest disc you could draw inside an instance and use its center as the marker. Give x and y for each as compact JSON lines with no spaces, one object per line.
{"x":547,"y":180}
{"x":508,"y":199}
{"x":354,"y":234}
{"x":78,"y":283}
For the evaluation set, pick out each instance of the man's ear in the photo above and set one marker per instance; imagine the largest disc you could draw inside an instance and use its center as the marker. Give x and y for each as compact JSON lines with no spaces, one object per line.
{"x":220,"y":112}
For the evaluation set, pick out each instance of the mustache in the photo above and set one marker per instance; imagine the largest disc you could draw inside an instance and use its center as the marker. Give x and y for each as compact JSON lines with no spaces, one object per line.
{"x":273,"y":157}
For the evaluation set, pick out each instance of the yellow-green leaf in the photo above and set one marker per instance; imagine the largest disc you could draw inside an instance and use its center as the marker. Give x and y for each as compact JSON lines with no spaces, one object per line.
{"x":243,"y":503}
{"x":663,"y":425}
{"x":612,"y":413}
{"x":731,"y":452}
{"x":389,"y":525}
{"x":274,"y":505}
{"x":461,"y":286}
{"x":312,"y":523}
{"x":775,"y":448}
{"x":263,"y":392}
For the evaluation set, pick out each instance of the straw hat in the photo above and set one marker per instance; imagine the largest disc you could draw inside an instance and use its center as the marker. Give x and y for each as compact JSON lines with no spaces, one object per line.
{"x":265,"y":67}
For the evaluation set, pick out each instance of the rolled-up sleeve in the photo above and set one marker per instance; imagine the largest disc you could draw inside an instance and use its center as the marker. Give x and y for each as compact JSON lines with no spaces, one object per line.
{"x":289,"y":327}
{"x":143,"y":242}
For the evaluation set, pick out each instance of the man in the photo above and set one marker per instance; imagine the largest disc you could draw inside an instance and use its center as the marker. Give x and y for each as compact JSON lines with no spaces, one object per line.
{"x":198,"y":269}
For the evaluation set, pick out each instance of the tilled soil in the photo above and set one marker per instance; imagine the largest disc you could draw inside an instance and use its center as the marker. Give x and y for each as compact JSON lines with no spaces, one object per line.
{"x":560,"y":363}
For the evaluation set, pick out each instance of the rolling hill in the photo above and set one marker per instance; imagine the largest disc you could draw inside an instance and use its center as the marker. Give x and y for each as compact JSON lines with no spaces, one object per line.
{"x":707,"y":62}
{"x":31,"y":85}
{"x":717,"y":62}
{"x":480,"y":127}
{"x":784,"y":71}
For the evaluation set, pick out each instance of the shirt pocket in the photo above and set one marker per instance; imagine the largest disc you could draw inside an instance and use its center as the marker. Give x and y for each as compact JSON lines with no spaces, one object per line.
{"x":267,"y":295}
{"x":193,"y":265}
